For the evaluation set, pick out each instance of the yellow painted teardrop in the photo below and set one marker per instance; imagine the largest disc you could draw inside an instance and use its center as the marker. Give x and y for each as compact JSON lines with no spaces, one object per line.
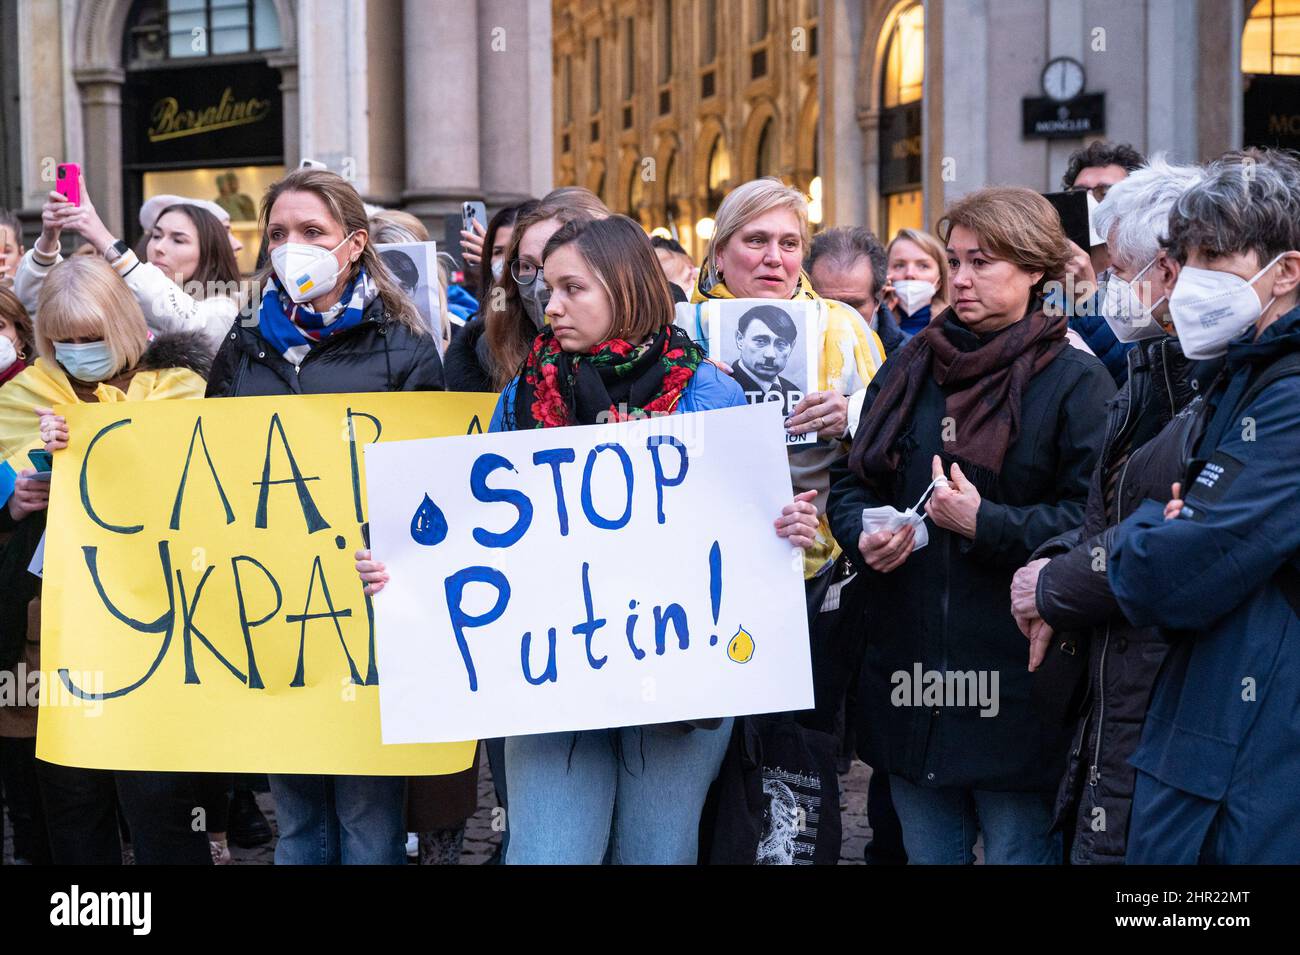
{"x":741,"y":647}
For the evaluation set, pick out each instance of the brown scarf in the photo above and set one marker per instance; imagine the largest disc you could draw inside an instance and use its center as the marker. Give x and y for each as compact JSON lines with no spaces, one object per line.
{"x":983,"y":389}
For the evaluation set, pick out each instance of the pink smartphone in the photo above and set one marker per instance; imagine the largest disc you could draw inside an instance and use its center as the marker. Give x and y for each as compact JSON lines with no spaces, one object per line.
{"x":69,"y":182}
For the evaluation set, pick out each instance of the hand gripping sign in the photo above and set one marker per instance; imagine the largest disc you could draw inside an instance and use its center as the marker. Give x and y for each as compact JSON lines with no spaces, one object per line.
{"x":200,"y":609}
{"x":586,"y":577}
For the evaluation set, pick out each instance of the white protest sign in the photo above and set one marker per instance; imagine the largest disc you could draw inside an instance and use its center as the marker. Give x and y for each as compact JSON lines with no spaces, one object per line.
{"x":586,"y":577}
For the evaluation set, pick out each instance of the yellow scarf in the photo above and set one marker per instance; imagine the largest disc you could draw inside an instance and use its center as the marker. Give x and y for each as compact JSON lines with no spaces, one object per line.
{"x":45,"y":385}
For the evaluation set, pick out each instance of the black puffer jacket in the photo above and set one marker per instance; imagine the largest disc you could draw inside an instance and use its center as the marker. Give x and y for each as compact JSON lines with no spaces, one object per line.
{"x":376,"y":355}
{"x":467,"y":362}
{"x":948,"y":607}
{"x":1140,"y":459}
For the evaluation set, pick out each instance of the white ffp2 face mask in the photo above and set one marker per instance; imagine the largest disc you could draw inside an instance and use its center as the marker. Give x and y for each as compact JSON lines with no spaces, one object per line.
{"x":307,"y":271}
{"x":1124,"y":312}
{"x":913,"y":294}
{"x":1211,"y":308}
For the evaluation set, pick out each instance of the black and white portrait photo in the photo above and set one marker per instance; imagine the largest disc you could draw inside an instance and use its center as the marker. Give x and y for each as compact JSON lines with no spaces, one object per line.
{"x":415,"y":267}
{"x":770,"y":347}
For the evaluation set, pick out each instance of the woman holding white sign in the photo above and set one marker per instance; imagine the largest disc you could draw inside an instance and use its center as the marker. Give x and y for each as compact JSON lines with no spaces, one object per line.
{"x":611,"y":353}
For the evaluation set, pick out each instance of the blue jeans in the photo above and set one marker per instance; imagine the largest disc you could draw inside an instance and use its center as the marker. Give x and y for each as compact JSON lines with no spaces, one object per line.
{"x":940,"y":825}
{"x":328,"y":820}
{"x":571,"y":792}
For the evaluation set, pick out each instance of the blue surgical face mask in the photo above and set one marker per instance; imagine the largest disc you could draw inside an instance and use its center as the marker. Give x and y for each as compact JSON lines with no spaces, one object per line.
{"x":89,"y":362}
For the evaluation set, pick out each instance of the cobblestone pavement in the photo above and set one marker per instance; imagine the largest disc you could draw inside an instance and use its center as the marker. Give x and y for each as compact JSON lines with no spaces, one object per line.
{"x":481,"y":839}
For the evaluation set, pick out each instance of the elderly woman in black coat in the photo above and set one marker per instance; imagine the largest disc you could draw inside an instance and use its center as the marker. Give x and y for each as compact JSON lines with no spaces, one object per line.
{"x":989,"y":419}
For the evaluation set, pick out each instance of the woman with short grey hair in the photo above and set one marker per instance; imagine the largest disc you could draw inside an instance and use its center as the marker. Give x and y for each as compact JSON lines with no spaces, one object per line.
{"x":1216,"y":567}
{"x":1059,"y":598}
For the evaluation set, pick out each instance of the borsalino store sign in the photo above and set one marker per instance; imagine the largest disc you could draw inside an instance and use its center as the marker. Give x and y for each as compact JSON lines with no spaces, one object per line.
{"x":203,"y":115}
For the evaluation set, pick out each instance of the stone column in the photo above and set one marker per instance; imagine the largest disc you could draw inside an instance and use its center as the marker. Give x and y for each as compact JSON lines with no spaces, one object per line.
{"x":441,"y":80}
{"x":845,"y":185}
{"x":101,"y":110}
{"x":287,"y":64}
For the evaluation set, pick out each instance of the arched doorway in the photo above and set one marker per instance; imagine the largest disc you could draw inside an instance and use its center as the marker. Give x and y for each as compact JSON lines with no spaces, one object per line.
{"x":202,"y":110}
{"x":1270,"y":66}
{"x":902,"y":78}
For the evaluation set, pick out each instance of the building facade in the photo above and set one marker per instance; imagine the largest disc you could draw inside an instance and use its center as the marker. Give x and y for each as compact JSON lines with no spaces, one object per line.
{"x":422,"y":104}
{"x":885,"y":110}
{"x":881,"y":110}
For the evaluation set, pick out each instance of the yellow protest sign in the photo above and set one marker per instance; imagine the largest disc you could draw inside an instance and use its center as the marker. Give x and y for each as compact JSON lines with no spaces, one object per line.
{"x":200,"y":608}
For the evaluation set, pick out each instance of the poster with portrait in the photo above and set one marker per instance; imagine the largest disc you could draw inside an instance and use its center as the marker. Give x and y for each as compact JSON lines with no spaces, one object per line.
{"x":771,"y":347}
{"x":415,"y":266}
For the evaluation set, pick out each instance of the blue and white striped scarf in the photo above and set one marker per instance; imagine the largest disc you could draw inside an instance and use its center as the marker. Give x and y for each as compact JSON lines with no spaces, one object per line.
{"x":293,"y":330}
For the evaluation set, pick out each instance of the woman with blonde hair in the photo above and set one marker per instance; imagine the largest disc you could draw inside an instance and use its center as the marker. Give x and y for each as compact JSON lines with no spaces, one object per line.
{"x":332,"y":320}
{"x":94,"y":346}
{"x":993,"y":423}
{"x":759,"y":243}
{"x":916,"y":271}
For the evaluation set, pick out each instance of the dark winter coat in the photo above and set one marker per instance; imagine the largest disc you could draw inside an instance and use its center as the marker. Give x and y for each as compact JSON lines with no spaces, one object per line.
{"x":891,"y":335}
{"x":1220,"y":751}
{"x":467,"y":363}
{"x":377,"y":354}
{"x":1140,"y":459}
{"x":948,"y":607}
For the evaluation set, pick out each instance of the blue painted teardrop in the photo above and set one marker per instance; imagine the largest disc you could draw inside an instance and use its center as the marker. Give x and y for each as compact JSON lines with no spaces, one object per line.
{"x":428,"y":526}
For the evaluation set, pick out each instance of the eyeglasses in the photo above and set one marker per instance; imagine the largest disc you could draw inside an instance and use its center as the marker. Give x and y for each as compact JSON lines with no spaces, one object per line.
{"x":1098,"y":191}
{"x":525,"y":273}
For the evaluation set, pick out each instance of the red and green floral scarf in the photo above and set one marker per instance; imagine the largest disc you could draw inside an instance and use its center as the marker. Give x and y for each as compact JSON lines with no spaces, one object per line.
{"x":614,"y":381}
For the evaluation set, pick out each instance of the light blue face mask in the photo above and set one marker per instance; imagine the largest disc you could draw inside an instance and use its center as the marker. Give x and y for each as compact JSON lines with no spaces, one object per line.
{"x":89,"y":361}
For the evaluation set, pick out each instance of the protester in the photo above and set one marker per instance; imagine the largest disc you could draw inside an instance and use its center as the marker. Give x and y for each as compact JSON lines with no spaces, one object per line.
{"x":155,"y":206}
{"x":189,"y":284}
{"x":757,"y":249}
{"x":331,"y":321}
{"x":1094,"y":169}
{"x":848,"y":265}
{"x":11,"y":245}
{"x":638,"y":791}
{"x":678,"y":267}
{"x":94,"y":346}
{"x":1114,"y":662}
{"x":759,"y":242}
{"x":989,"y":408}
{"x":517,"y":314}
{"x":468,"y":357}
{"x":1216,"y":567}
{"x":917,"y":271}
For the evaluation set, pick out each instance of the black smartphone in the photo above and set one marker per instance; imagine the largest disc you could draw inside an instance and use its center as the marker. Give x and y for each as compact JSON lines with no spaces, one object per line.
{"x":1072,"y":207}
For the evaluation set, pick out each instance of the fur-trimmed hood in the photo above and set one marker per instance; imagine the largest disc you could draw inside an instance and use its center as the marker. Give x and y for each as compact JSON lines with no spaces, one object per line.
{"x":189,"y":350}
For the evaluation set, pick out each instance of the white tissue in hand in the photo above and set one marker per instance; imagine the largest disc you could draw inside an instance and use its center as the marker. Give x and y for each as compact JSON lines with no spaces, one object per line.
{"x":890,"y":519}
